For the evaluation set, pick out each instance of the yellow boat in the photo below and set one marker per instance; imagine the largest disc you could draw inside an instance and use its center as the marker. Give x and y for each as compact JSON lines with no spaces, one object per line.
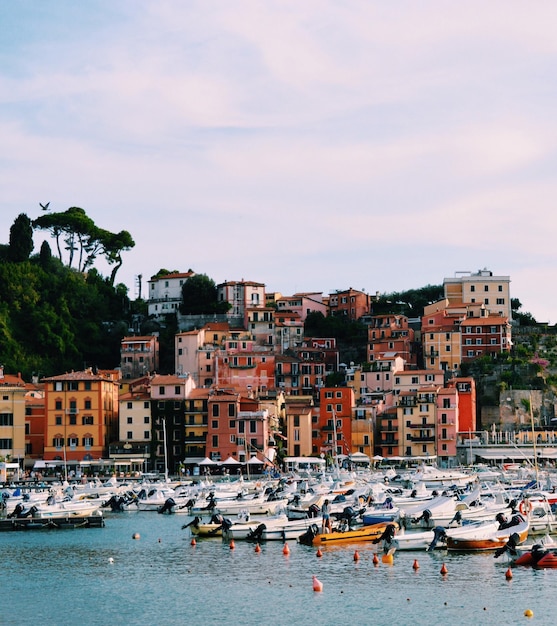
{"x":313,"y":536}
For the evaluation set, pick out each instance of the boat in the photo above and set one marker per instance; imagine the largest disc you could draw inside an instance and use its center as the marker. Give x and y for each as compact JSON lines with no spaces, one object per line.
{"x":219,"y":526}
{"x":314,"y":536}
{"x":486,"y":538}
{"x":154,"y":497}
{"x":543,"y":555}
{"x":277,"y":528}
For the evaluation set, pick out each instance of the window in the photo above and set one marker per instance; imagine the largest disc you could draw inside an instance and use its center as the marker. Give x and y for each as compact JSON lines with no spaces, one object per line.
{"x":232,"y":438}
{"x":339,"y":408}
{"x":146,"y":404}
{"x":130,"y":421}
{"x":215,"y":409}
{"x":161,"y":390}
{"x":177,"y":390}
{"x":58,"y":441}
{"x":146,"y":434}
{"x":58,"y":420}
{"x":129,"y":435}
{"x":6,"y":419}
{"x":146,"y":419}
{"x":252,"y":426}
{"x":231,"y":410}
{"x":130,"y":405}
{"x":73,"y":441}
{"x":214,"y":424}
{"x":58,"y":405}
{"x":472,"y":287}
{"x":87,"y":405}
{"x":87,"y":420}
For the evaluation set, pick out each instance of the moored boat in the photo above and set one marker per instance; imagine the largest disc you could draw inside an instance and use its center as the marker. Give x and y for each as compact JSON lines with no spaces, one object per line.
{"x":313,"y":536}
{"x":485,"y":538}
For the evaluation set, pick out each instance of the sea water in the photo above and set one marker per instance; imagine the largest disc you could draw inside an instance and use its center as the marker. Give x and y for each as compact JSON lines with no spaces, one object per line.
{"x":106,"y":576}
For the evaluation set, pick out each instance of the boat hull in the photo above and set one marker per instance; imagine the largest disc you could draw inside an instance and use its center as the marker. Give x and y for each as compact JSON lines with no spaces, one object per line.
{"x":363,"y":533}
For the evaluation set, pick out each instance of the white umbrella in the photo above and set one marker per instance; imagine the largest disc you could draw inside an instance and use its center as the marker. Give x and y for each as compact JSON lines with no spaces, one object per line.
{"x":255,"y":461}
{"x":207,"y":461}
{"x":231,"y":461}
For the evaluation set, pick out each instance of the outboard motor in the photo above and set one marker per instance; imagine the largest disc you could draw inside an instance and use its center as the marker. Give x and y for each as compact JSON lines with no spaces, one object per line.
{"x":310,"y":534}
{"x":168,"y":506}
{"x":313,"y":510}
{"x":17,"y":512}
{"x":256,"y":533}
{"x":509,"y":547}
{"x":439,"y":535}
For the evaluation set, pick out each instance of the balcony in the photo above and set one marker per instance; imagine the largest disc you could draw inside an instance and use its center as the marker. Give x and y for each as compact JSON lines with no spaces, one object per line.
{"x":129,"y":449}
{"x":423,"y":439}
{"x":421,"y":426}
{"x":195,"y":438}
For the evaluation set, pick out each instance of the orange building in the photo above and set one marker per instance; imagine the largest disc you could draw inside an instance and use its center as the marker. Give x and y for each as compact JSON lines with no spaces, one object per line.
{"x":391,"y":335}
{"x":334,"y":427}
{"x":81,"y":415}
{"x":350,"y":303}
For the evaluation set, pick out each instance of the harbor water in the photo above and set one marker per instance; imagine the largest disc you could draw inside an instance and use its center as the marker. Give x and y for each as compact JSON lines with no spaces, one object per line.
{"x":106,"y":576}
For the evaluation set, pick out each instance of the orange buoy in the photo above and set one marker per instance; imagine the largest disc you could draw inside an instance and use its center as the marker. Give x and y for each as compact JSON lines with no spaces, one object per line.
{"x":508,"y":574}
{"x":192,"y":542}
{"x":444,"y":569}
{"x":231,"y":545}
{"x":387,"y":558}
{"x":356,"y":556}
{"x":319,"y":553}
{"x":416,"y":564}
{"x":286,"y":549}
{"x":257,"y":547}
{"x":317,"y":584}
{"x":375,"y":559}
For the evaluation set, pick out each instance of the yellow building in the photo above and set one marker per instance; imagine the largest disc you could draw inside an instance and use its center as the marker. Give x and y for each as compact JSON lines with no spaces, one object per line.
{"x":12,"y":417}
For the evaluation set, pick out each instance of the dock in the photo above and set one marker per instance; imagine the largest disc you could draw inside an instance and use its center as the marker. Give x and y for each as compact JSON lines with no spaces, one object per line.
{"x":52,"y":523}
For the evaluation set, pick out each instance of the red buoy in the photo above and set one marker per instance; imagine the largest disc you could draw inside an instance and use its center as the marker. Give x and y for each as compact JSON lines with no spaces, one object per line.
{"x":319,"y":553}
{"x":375,"y":559}
{"x":257,"y":547}
{"x":356,"y":556}
{"x":286,"y":549}
{"x":508,"y":574}
{"x":416,"y":564}
{"x":444,"y":569}
{"x":231,"y":545}
{"x":317,"y":584}
{"x":192,"y":542}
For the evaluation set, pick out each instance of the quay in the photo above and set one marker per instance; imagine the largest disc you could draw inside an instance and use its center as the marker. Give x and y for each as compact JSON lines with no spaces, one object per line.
{"x":53,"y":523}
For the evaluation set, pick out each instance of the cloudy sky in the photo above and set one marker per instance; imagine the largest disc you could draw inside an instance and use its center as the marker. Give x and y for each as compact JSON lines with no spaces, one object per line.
{"x":308,"y":145}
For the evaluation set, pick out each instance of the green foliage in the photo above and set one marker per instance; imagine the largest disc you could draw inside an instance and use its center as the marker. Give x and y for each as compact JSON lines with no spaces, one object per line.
{"x":199,"y":297}
{"x":21,"y":239}
{"x":83,"y":240}
{"x":410,"y":303}
{"x":55,"y":319}
{"x":351,"y":335}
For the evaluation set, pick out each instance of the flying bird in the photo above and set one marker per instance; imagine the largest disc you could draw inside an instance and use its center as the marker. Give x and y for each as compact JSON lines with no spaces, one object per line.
{"x":44,"y":207}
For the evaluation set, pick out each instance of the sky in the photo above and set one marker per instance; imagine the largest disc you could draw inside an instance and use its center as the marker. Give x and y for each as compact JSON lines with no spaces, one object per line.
{"x":307,"y":145}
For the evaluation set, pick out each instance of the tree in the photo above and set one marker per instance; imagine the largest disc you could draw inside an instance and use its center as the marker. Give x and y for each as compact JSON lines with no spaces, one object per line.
{"x":21,"y":239}
{"x":84,"y":239}
{"x":199,"y":297}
